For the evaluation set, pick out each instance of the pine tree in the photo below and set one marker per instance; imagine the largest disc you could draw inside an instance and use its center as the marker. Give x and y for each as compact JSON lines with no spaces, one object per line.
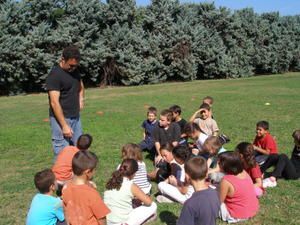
{"x":12,"y":47}
{"x":123,"y":39}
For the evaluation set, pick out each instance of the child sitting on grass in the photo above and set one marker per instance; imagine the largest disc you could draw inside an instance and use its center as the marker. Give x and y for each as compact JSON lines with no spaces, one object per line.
{"x":148,"y":125}
{"x":266,"y":153}
{"x":175,"y":188}
{"x":176,"y":110}
{"x":246,"y":152}
{"x":193,"y":131}
{"x":284,"y":167}
{"x":45,"y":209}
{"x":206,"y":123}
{"x":237,"y":194}
{"x":119,"y":195}
{"x":210,"y":101}
{"x":133,"y":151}
{"x":295,"y":159}
{"x":213,"y":146}
{"x":161,"y":174}
{"x":166,"y":131}
{"x":82,"y":202}
{"x":62,"y":167}
{"x":202,"y":208}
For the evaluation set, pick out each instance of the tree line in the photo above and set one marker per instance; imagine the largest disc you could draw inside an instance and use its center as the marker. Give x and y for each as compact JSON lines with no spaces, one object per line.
{"x":123,"y":44}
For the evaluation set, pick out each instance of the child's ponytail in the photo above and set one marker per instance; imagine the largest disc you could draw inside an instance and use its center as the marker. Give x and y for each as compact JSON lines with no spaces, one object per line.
{"x":127,"y":169}
{"x":115,"y":181}
{"x":247,"y":151}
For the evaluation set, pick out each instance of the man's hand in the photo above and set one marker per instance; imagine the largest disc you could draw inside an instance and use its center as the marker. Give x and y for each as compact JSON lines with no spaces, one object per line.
{"x":67,"y":131}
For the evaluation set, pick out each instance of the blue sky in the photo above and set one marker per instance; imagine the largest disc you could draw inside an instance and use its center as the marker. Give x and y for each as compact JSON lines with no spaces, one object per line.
{"x":285,"y":7}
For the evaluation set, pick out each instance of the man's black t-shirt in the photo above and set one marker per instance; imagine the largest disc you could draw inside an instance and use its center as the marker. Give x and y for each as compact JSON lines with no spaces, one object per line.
{"x":69,"y":85}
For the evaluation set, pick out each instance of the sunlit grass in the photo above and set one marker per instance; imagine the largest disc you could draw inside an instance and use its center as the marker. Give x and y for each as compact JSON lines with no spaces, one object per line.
{"x":113,"y":116}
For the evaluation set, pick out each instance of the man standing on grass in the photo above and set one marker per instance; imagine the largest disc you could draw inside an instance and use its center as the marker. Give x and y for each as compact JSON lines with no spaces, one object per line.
{"x":65,"y":92}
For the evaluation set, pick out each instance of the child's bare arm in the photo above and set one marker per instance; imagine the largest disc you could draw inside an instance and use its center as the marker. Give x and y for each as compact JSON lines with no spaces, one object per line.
{"x":261,"y":150}
{"x":258,"y":182}
{"x":215,"y":133}
{"x":224,"y":190}
{"x":175,"y":143}
{"x":172,"y":180}
{"x":193,"y":117}
{"x":144,"y":134}
{"x":139,"y":194}
{"x":102,"y":221}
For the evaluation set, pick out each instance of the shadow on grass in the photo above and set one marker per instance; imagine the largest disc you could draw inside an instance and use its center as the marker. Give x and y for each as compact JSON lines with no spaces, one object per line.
{"x":168,"y":217}
{"x":149,"y":156}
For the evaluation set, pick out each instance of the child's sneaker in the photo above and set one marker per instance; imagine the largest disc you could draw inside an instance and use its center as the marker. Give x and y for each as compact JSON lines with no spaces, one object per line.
{"x":269,"y":182}
{"x":163,"y":199}
{"x":224,"y":139}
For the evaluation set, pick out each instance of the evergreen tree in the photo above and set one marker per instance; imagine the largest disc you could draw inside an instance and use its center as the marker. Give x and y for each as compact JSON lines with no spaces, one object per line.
{"x":12,"y":47}
{"x":123,"y":39}
{"x":83,"y":23}
{"x":123,"y":44}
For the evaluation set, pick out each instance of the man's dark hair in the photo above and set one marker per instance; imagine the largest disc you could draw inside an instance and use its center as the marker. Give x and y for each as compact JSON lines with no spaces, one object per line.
{"x":71,"y":52}
{"x":263,"y":124}
{"x":84,"y":142}
{"x":82,"y":161}
{"x":175,"y":109}
{"x":230,"y":162}
{"x":43,"y":180}
{"x":196,"y":168}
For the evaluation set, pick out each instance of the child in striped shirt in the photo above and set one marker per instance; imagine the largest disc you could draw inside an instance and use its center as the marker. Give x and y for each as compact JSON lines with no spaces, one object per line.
{"x":133,"y":151}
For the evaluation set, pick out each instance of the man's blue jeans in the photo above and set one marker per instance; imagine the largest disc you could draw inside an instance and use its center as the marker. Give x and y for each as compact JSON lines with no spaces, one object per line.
{"x":58,"y":140}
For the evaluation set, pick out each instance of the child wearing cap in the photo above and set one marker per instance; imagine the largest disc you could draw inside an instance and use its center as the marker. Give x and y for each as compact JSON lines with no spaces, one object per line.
{"x":206,"y":123}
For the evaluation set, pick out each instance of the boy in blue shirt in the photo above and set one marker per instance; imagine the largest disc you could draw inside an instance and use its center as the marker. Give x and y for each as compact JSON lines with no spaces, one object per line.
{"x":148,"y":126}
{"x":202,"y":208}
{"x":45,"y":209}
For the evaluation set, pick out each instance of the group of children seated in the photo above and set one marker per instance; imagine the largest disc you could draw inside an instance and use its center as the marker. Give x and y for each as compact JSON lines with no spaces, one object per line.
{"x":190,"y":165}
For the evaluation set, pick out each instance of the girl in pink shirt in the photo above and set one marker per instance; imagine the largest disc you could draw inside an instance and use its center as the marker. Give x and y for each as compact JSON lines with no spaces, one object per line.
{"x":247,"y":156}
{"x":237,"y":194}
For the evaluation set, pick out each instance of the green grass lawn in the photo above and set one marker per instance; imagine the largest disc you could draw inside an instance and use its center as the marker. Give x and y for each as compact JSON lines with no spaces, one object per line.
{"x":25,"y":137}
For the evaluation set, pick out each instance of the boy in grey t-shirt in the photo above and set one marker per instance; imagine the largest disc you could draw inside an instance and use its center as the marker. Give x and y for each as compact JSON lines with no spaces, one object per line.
{"x":203,"y":207}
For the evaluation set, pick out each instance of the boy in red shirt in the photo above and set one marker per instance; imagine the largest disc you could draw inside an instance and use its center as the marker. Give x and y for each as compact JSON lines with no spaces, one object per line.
{"x":82,"y":202}
{"x":62,"y":167}
{"x":266,"y":148}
